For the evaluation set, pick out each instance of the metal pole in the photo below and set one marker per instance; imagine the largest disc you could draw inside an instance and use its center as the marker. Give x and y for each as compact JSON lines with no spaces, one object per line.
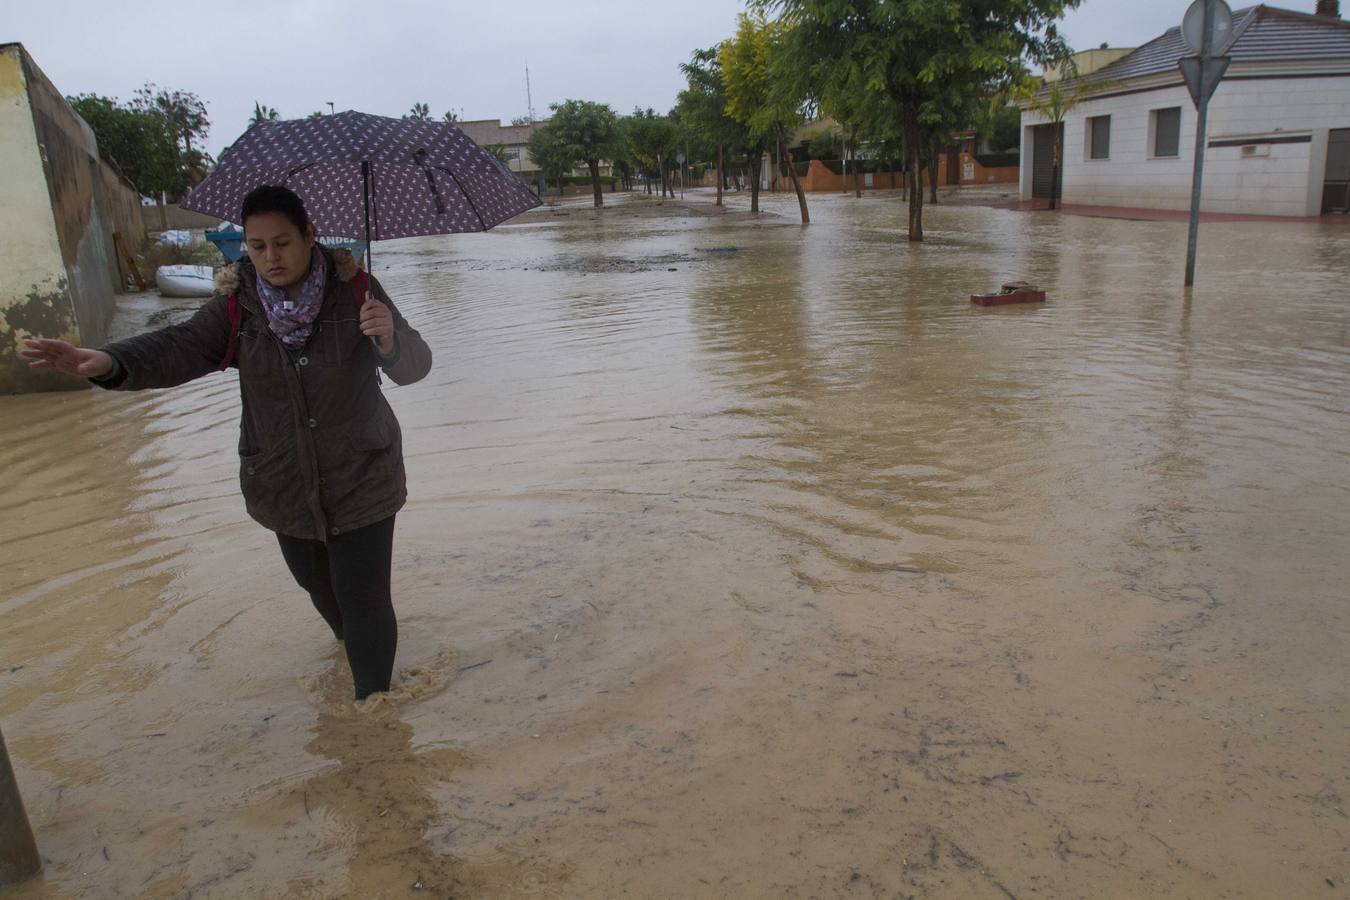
{"x":1201,"y":129}
{"x":19,"y":859}
{"x":365,"y":182}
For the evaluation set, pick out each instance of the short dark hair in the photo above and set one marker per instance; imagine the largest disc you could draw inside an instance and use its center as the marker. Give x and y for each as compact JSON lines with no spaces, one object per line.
{"x":272,"y":198}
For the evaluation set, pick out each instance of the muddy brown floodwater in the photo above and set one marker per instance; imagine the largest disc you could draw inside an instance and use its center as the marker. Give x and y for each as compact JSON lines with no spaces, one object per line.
{"x":743,"y":560}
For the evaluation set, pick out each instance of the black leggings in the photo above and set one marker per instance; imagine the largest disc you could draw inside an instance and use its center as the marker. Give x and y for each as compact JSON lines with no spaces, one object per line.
{"x":348,"y":580}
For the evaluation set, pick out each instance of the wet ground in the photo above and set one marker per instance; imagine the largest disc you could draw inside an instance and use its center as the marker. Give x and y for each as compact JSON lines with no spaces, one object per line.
{"x":743,"y":560}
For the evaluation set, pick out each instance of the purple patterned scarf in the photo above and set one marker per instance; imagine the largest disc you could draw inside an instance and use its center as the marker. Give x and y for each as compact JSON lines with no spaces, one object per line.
{"x":293,"y":320}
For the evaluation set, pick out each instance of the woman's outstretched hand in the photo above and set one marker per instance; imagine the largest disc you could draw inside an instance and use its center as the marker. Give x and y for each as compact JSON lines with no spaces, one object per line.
{"x":64,"y":357}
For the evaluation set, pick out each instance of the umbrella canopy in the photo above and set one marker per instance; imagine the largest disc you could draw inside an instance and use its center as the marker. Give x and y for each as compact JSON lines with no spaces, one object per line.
{"x":369,"y":177}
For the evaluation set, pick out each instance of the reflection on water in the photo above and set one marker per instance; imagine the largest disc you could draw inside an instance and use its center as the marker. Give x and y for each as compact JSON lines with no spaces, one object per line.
{"x":787,"y":562}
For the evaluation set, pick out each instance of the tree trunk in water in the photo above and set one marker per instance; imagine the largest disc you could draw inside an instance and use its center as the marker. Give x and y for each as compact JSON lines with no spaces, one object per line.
{"x":163,"y":213}
{"x":754,"y":182}
{"x":720,"y":176}
{"x":1054,"y":168}
{"x":796,"y":182}
{"x":933,"y":175}
{"x":594,"y":165}
{"x":912,"y":131}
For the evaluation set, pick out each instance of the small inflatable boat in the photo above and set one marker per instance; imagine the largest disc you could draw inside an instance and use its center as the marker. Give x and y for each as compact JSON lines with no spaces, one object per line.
{"x":185,"y":281}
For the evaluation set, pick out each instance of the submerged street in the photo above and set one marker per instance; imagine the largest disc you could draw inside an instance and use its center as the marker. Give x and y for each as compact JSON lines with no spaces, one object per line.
{"x":741,"y":559}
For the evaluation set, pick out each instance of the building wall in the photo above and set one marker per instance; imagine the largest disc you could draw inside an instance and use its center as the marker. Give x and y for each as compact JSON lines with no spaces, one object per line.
{"x":59,"y":206}
{"x":34,"y":299}
{"x":1283,"y":179}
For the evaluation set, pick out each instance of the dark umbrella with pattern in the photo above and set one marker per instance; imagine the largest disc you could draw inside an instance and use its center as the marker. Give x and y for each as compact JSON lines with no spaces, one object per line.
{"x":369,"y":177}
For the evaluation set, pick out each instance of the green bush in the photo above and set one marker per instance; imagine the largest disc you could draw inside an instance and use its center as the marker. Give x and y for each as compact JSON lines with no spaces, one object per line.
{"x":999,"y":160}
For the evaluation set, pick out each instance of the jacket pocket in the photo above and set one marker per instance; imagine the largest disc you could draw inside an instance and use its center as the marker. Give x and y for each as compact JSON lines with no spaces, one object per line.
{"x":371,"y":436}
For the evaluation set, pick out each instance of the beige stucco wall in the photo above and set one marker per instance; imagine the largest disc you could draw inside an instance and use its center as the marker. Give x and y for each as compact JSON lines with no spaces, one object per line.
{"x":60,"y":204}
{"x":34,"y":294}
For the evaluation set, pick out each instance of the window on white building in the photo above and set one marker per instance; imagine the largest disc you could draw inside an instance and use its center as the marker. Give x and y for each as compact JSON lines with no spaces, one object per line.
{"x":1099,"y":137}
{"x":1166,"y":128}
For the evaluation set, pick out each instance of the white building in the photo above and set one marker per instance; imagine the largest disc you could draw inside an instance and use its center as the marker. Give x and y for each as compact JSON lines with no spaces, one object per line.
{"x":1279,"y":125}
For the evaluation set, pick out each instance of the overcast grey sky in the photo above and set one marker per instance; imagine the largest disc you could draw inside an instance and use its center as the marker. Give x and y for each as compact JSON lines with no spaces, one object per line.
{"x":382,"y":56}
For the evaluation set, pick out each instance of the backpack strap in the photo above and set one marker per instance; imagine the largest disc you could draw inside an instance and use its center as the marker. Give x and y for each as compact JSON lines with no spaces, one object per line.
{"x":360,"y":285}
{"x":236,"y":315}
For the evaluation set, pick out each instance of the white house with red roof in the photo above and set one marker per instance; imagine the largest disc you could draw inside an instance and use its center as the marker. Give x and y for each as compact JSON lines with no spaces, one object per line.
{"x":1279,"y":125}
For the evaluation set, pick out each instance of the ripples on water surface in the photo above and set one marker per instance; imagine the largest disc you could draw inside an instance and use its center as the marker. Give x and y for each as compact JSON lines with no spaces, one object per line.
{"x":776,"y":573}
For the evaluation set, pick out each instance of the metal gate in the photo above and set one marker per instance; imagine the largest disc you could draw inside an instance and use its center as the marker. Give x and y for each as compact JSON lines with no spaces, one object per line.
{"x":1336,"y":188}
{"x":1043,"y":162}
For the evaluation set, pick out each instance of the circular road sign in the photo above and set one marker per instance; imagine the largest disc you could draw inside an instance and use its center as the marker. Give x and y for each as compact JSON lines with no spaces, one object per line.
{"x":1193,"y":27}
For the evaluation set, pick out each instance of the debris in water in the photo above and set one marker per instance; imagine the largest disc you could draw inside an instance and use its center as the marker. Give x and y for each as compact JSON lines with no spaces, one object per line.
{"x":1012,"y":292}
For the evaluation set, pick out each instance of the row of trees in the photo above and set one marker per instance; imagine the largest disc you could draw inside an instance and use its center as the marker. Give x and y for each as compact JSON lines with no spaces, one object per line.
{"x":902,"y":76}
{"x":154,"y":139}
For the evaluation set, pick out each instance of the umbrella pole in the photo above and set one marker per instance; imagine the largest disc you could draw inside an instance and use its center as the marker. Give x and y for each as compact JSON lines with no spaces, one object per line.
{"x":365,"y":184}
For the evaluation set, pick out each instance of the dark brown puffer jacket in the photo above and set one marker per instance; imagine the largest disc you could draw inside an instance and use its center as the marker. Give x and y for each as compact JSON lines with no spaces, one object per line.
{"x":320,"y":451}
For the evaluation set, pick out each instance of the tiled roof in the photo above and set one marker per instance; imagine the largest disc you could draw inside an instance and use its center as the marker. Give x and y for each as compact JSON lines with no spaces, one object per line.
{"x":1260,"y":34}
{"x":491,"y":131}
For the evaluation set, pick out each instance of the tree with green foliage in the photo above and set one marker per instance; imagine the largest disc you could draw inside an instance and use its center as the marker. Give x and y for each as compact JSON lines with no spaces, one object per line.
{"x":420,"y":112}
{"x":769,"y":109}
{"x":262,"y":114}
{"x":184,"y":114}
{"x":590,"y":131}
{"x":317,"y":114}
{"x":651,"y":140}
{"x":914,"y":55}
{"x":451,"y":117}
{"x":703,"y":105}
{"x":139,"y":143}
{"x":551,"y":154}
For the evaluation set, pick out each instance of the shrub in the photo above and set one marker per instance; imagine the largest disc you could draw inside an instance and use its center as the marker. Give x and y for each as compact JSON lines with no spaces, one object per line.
{"x":999,"y":160}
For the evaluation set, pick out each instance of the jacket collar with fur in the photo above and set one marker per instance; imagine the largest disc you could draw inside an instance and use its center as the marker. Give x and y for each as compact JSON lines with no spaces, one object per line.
{"x":229,"y":278}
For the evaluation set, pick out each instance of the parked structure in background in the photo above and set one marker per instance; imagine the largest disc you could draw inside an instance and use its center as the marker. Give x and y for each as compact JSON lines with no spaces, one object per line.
{"x":60,"y":205}
{"x":1279,"y":126}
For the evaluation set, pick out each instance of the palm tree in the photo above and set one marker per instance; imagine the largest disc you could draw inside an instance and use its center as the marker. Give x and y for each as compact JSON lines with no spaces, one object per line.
{"x":451,"y":117}
{"x":1053,"y":102}
{"x":262,"y":114}
{"x":420,"y":111}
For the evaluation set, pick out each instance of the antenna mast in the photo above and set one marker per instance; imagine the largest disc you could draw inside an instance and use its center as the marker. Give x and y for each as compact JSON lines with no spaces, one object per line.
{"x":529,"y":98}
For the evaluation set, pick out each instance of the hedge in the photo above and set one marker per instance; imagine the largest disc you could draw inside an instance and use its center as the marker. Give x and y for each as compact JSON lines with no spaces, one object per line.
{"x":863,"y":165}
{"x":999,"y":160}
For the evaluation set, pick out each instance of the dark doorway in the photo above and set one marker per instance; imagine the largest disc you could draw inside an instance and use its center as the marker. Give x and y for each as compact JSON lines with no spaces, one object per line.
{"x":1336,"y":188}
{"x":1043,"y":172}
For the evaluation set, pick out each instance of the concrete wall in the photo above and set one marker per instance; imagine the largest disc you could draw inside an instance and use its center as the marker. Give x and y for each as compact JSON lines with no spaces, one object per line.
{"x":177,"y":217}
{"x":59,"y":206}
{"x":1286,"y":119}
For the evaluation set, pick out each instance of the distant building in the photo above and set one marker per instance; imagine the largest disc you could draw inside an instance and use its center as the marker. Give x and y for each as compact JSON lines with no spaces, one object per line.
{"x":512,"y":139}
{"x":1279,"y":124}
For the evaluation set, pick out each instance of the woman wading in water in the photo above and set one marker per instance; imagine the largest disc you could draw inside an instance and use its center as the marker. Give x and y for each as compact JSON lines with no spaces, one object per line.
{"x":321,"y":456}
